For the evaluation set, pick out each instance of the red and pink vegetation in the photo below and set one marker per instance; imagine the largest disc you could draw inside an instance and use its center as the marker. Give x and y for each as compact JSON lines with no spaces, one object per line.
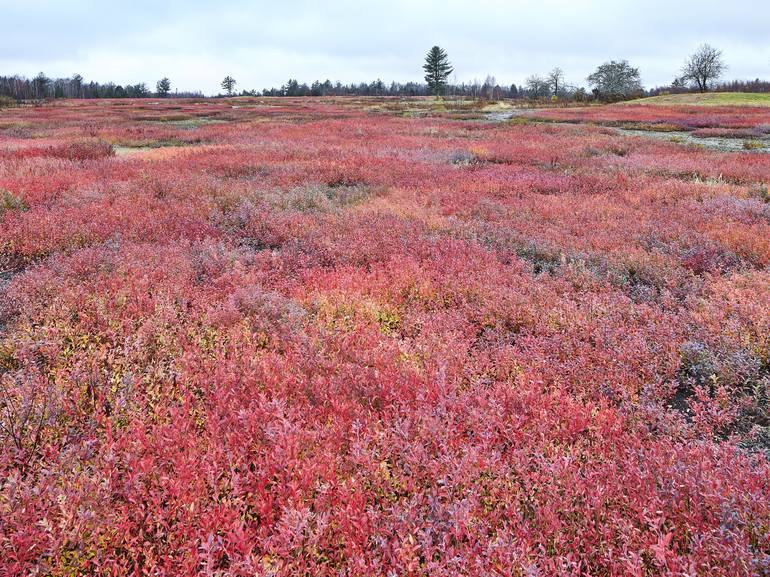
{"x":712,"y":120}
{"x":307,"y":340}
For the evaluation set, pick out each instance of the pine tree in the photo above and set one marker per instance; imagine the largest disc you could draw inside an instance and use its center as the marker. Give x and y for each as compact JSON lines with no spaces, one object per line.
{"x":77,"y":86}
{"x":163,"y":87}
{"x":437,"y":69}
{"x":228,"y":84}
{"x":41,"y":83}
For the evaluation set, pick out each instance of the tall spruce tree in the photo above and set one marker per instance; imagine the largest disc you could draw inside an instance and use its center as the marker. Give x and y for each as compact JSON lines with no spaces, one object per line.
{"x":437,"y":69}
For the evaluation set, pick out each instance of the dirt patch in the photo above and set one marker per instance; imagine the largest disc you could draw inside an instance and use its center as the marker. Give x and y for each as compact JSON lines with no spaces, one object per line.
{"x":504,"y":115}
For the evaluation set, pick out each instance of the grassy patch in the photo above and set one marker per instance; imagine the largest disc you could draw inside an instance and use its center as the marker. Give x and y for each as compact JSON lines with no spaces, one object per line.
{"x":708,"y":99}
{"x":131,"y":147}
{"x":183,"y":121}
{"x":320,"y":198}
{"x":647,"y":126}
{"x":193,"y":123}
{"x":10,"y":202}
{"x":753,"y":145}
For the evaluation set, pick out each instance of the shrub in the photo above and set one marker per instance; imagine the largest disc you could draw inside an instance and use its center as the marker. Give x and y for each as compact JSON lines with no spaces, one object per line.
{"x":77,"y":151}
{"x":29,"y":406}
{"x":87,"y":150}
{"x":704,"y":258}
{"x":753,"y":145}
{"x":464,"y":158}
{"x":249,"y":361}
{"x":698,"y":364}
{"x":760,"y":191}
{"x":319,"y":198}
{"x":10,"y":202}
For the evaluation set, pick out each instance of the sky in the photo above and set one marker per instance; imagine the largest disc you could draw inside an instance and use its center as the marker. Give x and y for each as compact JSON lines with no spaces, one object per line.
{"x":264,"y":43}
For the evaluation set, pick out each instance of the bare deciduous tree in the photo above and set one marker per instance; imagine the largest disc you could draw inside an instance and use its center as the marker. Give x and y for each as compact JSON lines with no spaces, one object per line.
{"x":555,"y":80}
{"x":537,"y":87}
{"x":490,"y":90}
{"x":704,"y":67}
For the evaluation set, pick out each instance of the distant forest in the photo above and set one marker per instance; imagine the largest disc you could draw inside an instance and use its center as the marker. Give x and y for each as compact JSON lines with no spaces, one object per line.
{"x":42,"y":87}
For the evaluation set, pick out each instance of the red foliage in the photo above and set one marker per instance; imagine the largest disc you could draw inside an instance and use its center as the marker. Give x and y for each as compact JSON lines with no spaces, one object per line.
{"x":300,"y":338}
{"x":677,"y":117}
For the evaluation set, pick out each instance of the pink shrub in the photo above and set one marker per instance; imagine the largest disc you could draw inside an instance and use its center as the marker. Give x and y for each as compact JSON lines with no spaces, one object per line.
{"x":318,"y":341}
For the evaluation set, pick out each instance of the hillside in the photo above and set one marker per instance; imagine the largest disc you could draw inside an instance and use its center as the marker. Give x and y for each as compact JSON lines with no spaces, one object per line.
{"x":708,"y":99}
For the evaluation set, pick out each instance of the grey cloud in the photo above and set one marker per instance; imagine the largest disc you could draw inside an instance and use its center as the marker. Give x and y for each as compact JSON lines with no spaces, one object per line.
{"x":263,"y":43}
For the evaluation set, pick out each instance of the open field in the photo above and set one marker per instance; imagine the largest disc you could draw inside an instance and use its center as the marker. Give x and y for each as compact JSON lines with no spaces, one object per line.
{"x":746,"y":127}
{"x":338,"y":337}
{"x":707,"y":99}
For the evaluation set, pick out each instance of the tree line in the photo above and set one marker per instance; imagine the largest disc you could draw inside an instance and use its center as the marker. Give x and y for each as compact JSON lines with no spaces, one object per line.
{"x":41,"y":87}
{"x":611,"y":81}
{"x":489,"y":89}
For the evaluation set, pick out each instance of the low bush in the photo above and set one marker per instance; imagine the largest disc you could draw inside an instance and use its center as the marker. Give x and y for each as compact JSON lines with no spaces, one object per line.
{"x":316,"y":346}
{"x":753,"y":145}
{"x":86,"y":150}
{"x":10,"y":202}
{"x":761,"y":191}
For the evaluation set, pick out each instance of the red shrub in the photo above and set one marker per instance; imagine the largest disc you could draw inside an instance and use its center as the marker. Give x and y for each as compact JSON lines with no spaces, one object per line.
{"x":310,"y":340}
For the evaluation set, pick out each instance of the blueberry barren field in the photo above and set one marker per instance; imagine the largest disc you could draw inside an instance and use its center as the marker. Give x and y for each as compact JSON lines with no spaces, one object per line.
{"x":383,"y":337}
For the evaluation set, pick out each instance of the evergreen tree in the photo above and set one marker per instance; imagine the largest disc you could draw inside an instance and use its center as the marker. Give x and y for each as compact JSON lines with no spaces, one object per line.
{"x":141,"y":90}
{"x":41,"y":83}
{"x":163,"y":87}
{"x":228,"y":84}
{"x":437,"y":69}
{"x":291,"y":88}
{"x":77,"y":85}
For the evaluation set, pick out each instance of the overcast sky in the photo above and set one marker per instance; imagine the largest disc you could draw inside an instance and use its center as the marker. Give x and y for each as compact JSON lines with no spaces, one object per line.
{"x":263,"y":43}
